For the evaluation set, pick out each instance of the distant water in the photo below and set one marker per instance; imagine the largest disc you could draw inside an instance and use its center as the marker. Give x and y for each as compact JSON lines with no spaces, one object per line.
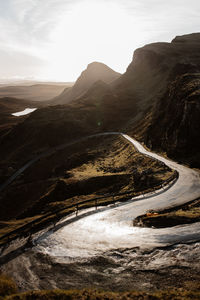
{"x":24,"y":112}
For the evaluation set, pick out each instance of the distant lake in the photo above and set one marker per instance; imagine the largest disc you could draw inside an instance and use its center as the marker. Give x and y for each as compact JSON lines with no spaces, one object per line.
{"x":24,"y":112}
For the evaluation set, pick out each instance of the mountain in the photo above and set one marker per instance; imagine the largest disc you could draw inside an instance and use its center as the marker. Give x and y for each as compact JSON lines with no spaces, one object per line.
{"x":175,"y":124}
{"x":157,"y":100}
{"x":151,"y":70}
{"x":95,"y":71}
{"x":9,"y":105}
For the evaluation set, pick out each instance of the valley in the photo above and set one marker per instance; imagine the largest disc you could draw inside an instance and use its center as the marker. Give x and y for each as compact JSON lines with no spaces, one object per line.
{"x":107,"y":135}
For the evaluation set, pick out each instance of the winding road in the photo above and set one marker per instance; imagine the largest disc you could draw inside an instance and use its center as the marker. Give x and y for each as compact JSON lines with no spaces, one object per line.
{"x":102,"y":249}
{"x":112,"y":228}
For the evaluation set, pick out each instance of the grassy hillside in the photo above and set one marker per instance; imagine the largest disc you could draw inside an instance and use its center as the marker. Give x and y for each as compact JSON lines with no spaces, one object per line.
{"x":101,"y":295}
{"x":95,"y":167}
{"x":157,"y":99}
{"x":8,"y":291}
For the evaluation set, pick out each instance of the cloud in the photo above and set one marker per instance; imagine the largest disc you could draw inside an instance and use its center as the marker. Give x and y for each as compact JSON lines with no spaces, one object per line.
{"x":24,"y":23}
{"x":14,"y":63}
{"x":39,"y":31}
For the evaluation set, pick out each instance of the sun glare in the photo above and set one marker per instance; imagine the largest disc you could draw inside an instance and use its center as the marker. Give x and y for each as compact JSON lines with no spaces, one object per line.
{"x":90,"y":31}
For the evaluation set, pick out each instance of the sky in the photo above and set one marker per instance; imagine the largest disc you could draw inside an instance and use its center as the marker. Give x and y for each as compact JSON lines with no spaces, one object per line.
{"x":55,"y":40}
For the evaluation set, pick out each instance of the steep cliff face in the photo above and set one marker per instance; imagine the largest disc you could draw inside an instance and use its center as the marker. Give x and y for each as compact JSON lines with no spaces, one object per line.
{"x":145,"y":78}
{"x":152,"y":69}
{"x":164,"y":81}
{"x":175,"y":125}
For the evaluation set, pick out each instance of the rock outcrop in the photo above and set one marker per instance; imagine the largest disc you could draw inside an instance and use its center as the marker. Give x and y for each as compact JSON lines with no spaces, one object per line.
{"x":95,"y":71}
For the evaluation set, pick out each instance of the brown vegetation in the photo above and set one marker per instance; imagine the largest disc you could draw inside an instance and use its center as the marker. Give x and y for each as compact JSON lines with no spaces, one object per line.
{"x":8,"y":291}
{"x":7,"y":286}
{"x":103,"y":295}
{"x":103,"y":165}
{"x":184,"y":214}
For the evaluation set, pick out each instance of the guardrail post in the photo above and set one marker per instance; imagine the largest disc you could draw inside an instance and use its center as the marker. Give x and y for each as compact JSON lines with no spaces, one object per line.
{"x":76,"y":210}
{"x":30,"y":226}
{"x":113,"y":199}
{"x":55,"y":220}
{"x":96,"y":204}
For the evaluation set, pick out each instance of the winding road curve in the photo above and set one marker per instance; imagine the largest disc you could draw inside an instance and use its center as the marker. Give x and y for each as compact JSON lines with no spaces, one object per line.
{"x":99,"y":248}
{"x":112,"y":228}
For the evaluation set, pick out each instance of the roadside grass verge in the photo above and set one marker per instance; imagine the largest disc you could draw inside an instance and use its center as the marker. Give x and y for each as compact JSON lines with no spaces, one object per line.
{"x":183,"y":214}
{"x":7,"y":286}
{"x":19,"y":229}
{"x":104,"y":295}
{"x":103,"y":166}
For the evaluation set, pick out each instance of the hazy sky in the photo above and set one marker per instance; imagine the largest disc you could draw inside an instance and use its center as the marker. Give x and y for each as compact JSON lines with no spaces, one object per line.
{"x":56,"y":39}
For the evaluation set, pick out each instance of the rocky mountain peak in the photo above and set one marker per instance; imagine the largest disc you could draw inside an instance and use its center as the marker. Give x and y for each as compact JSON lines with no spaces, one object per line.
{"x":94,"y":72}
{"x":187,"y":38}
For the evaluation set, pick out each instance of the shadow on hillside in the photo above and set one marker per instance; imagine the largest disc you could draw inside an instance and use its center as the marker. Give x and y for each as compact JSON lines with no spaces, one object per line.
{"x":31,"y":243}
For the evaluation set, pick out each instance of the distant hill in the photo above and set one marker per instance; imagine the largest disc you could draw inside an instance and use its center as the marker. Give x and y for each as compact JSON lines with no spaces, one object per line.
{"x":8,"y":106}
{"x":36,"y":92}
{"x":95,"y":71}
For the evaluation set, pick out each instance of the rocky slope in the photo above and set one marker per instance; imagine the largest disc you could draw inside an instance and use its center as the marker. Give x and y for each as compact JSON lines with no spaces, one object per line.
{"x":95,"y":71}
{"x":152,"y":69}
{"x":175,"y":123}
